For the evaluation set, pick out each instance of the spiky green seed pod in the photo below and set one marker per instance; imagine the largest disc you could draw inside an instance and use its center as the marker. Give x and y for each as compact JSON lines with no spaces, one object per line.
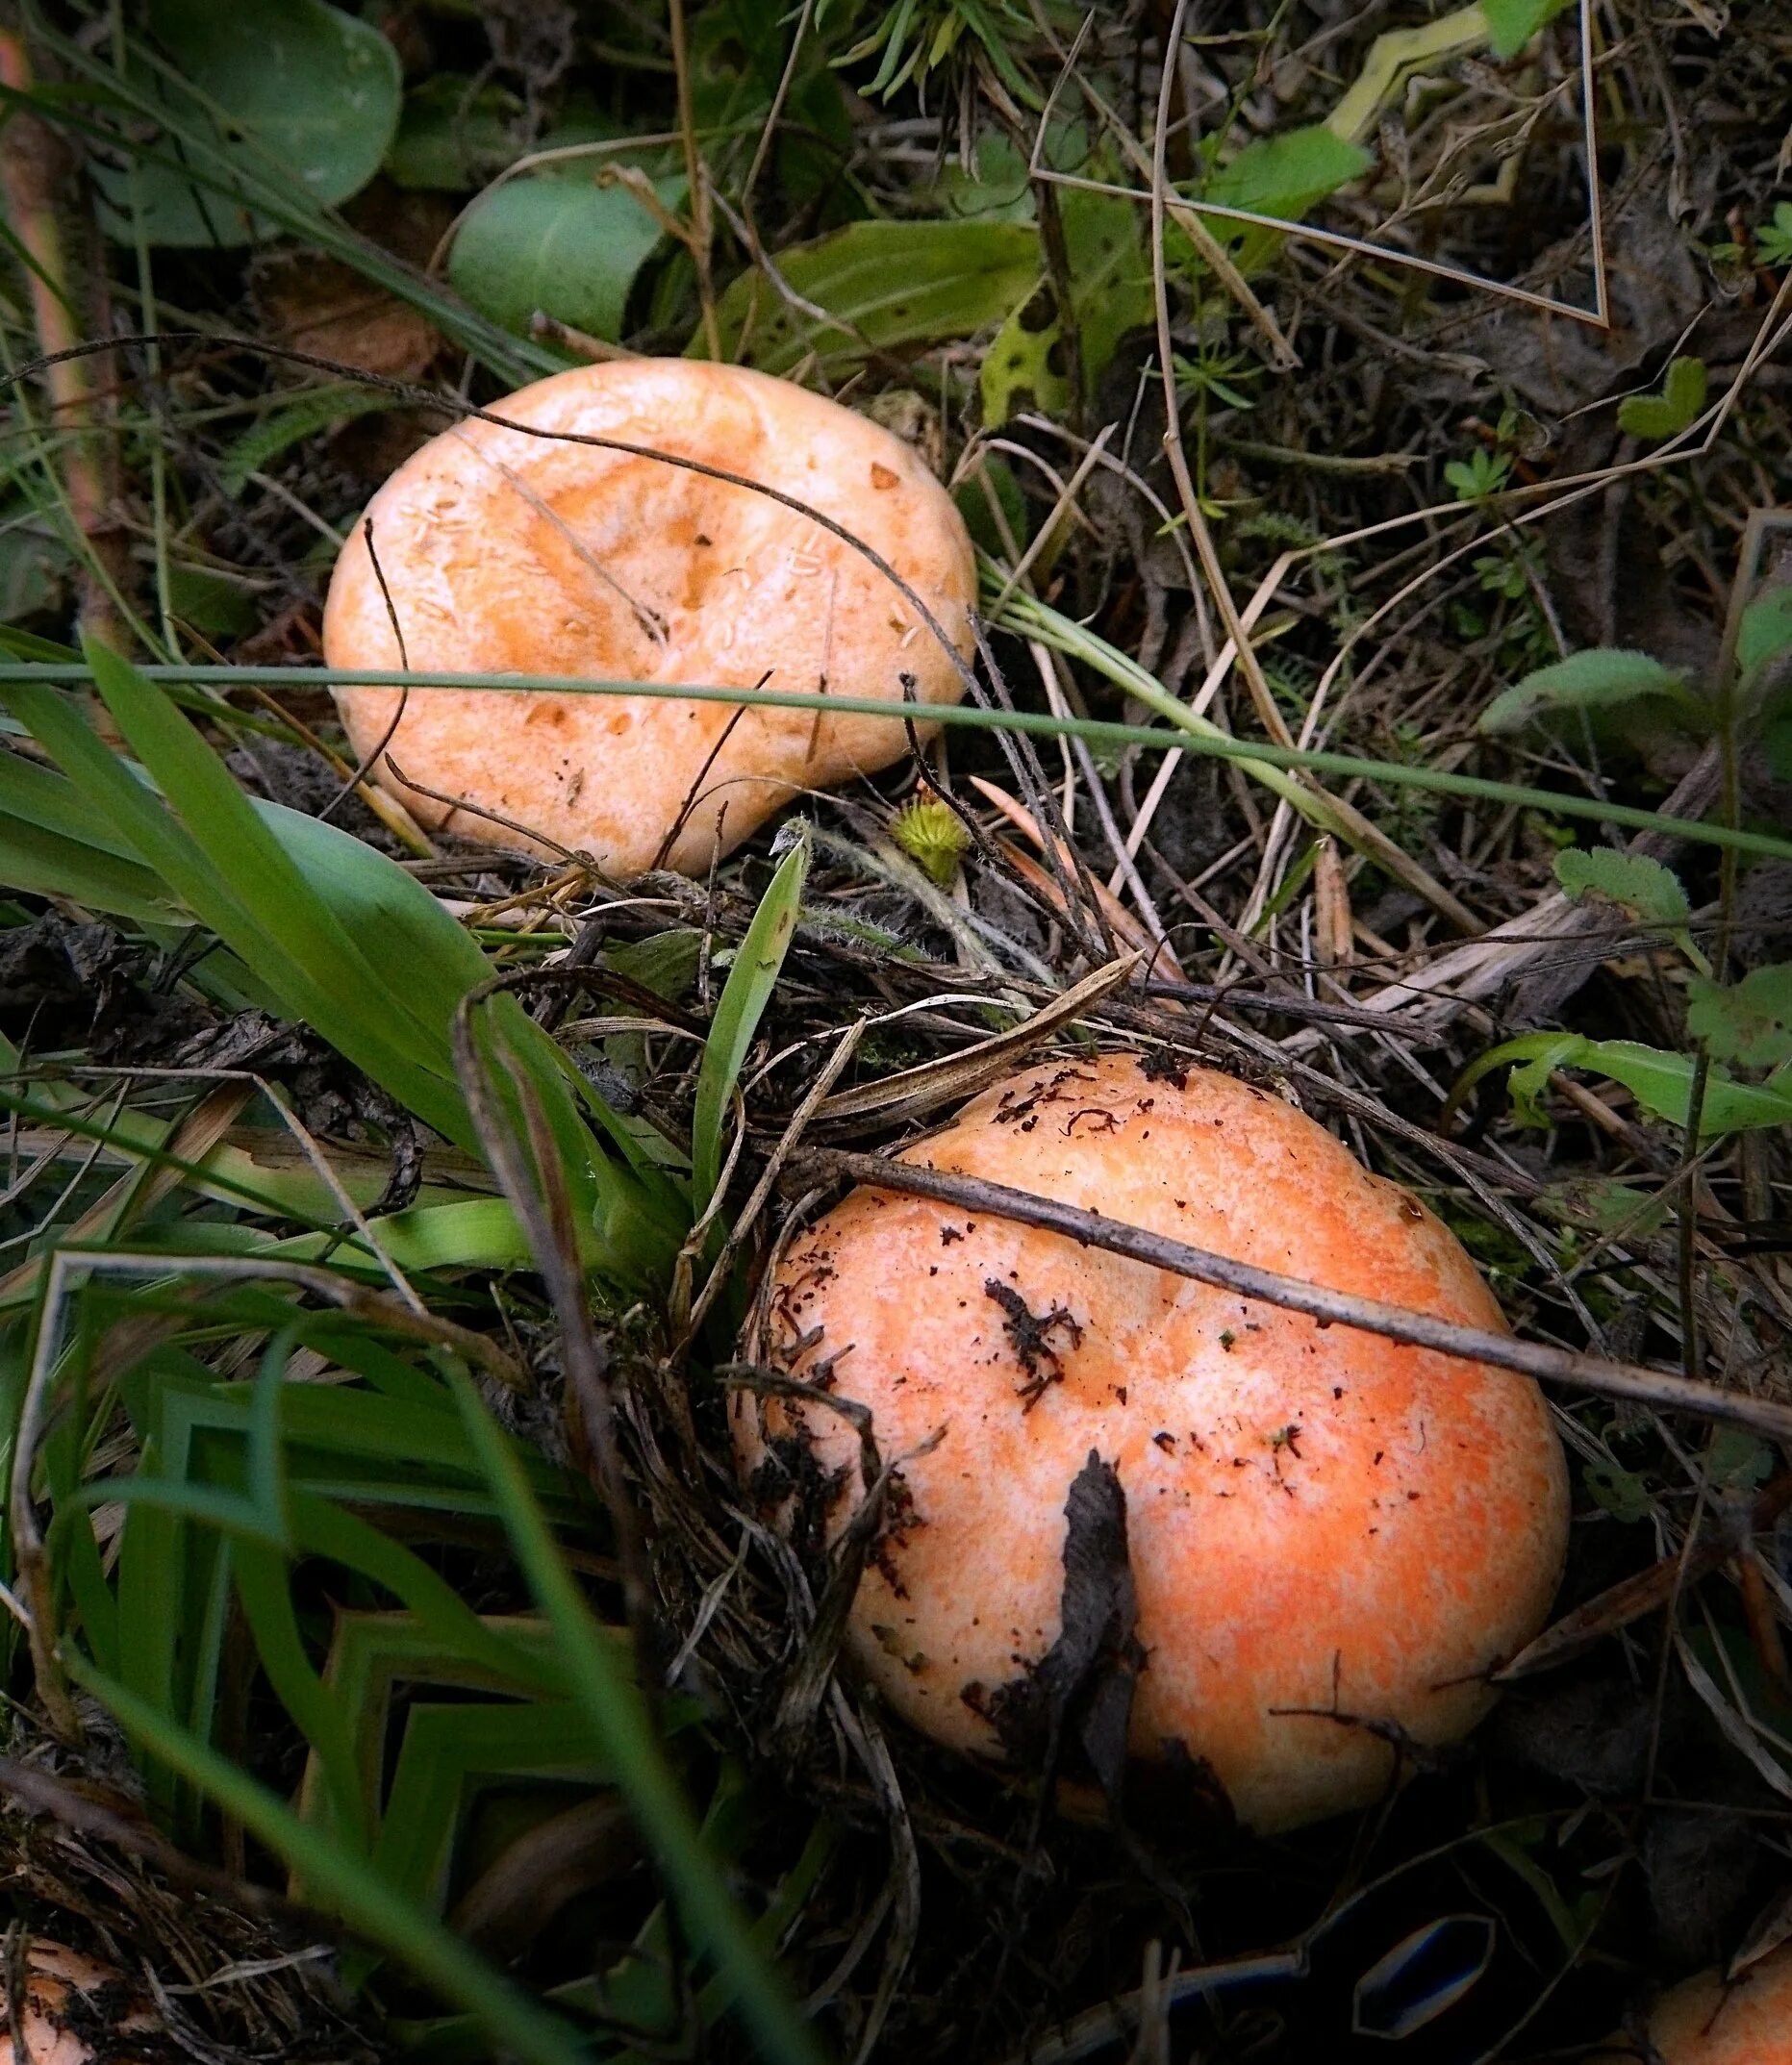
{"x":928,"y":831}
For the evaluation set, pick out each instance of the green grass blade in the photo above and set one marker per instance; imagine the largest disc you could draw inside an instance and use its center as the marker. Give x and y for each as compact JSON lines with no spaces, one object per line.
{"x":262,"y":1587}
{"x":619,"y":1715}
{"x":1033,"y":723}
{"x":205,"y":882}
{"x":361,"y":1010}
{"x":758,"y":963}
{"x":516,"y":2024}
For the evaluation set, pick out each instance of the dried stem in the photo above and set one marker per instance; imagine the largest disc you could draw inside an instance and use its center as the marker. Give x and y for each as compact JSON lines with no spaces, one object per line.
{"x":1655,"y":1388}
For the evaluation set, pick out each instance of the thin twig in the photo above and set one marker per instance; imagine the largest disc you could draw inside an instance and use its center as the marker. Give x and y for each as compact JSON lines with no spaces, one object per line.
{"x":1330,"y":1308}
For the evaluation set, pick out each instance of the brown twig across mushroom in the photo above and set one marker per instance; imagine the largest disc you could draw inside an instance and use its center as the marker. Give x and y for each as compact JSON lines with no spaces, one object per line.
{"x":1656,"y":1388}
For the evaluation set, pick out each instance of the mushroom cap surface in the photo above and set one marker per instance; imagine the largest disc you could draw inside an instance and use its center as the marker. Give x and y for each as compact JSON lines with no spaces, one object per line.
{"x":1708,"y":2019}
{"x":1326,"y":1529}
{"x":506,"y":552}
{"x":74,"y":2012}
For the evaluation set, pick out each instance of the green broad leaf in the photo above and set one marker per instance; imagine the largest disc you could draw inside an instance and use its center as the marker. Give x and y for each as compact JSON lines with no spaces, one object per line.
{"x":1766,"y":631}
{"x":210,"y":603}
{"x":37,"y":565}
{"x":889,"y":287}
{"x":1605,"y":1205}
{"x":453,"y":134}
{"x":1513,"y":23}
{"x":1287,"y":173}
{"x":1749,"y":1022}
{"x":1675,"y":409}
{"x":1637,"y":883}
{"x":565,"y":245}
{"x":45,"y":862}
{"x":317,"y":409}
{"x":292,"y":87}
{"x":1026,"y":366}
{"x":1604,"y":678}
{"x":1737,"y":1459}
{"x":1661,"y":1082}
{"x":751,"y":981}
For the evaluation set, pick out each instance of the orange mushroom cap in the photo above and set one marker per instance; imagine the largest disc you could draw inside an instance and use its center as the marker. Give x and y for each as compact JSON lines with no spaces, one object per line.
{"x":1328,"y":1532}
{"x":1708,"y":2019}
{"x":505,"y":552}
{"x":75,"y":2012}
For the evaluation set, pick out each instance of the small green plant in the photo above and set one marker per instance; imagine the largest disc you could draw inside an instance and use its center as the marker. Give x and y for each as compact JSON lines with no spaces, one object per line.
{"x":1671,"y":412}
{"x":1744,"y":1024}
{"x":1771,"y":243}
{"x":1216,"y":375}
{"x":929,"y":832}
{"x":1482,"y":474}
{"x":915,"y":38}
{"x":1772,"y":240}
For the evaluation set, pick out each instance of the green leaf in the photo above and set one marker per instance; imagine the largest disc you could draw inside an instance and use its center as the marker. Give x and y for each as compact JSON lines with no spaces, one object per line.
{"x":1766,"y":631}
{"x":452,"y":134}
{"x":1513,"y":23}
{"x":270,"y":915}
{"x":889,"y":284}
{"x":317,"y":409}
{"x":751,"y":981}
{"x":567,"y":246}
{"x":1603,"y":678}
{"x":1661,"y":1082}
{"x":1605,"y":1205}
{"x":1480,"y":475}
{"x":1772,"y":240}
{"x":1025,"y":365}
{"x":1619,"y":1492}
{"x":292,"y":86}
{"x":1286,"y":174}
{"x":1675,"y":409}
{"x":1749,"y":1022}
{"x":1639,"y":885}
{"x":210,"y":603}
{"x":1737,"y":1459}
{"x":51,"y":846}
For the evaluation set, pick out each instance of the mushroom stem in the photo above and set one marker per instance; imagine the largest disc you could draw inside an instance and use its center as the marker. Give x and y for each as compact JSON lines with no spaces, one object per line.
{"x":1655,"y":1388}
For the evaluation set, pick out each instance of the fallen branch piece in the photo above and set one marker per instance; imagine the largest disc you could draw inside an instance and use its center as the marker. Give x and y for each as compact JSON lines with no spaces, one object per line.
{"x":1655,"y":1388}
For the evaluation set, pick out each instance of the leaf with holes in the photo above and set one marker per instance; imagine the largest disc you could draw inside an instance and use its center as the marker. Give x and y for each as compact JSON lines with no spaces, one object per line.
{"x":1027,"y":364}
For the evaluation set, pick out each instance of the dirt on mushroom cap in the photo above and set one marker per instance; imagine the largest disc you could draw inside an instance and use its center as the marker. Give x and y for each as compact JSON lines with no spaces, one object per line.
{"x":508,"y":552}
{"x":1332,"y":1537}
{"x":75,"y":2012}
